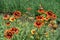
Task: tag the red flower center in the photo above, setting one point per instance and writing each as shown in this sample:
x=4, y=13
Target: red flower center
x=38, y=23
x=8, y=23
x=9, y=34
x=41, y=10
x=49, y=13
x=17, y=14
x=5, y=16
x=14, y=29
x=33, y=31
x=12, y=19
x=54, y=15
x=39, y=17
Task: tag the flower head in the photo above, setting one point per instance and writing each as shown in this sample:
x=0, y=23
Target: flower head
x=12, y=19
x=41, y=11
x=8, y=24
x=47, y=18
x=33, y=31
x=17, y=14
x=54, y=16
x=40, y=18
x=8, y=34
x=14, y=30
x=6, y=16
x=38, y=24
x=49, y=13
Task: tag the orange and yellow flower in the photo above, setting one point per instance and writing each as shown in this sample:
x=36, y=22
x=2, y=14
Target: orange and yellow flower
x=38, y=24
x=8, y=24
x=40, y=18
x=33, y=31
x=8, y=34
x=17, y=14
x=14, y=30
x=12, y=19
x=41, y=11
x=6, y=17
x=47, y=18
x=49, y=13
x=54, y=16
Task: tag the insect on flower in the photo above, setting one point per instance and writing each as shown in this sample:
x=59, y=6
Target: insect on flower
x=17, y=14
x=38, y=24
x=8, y=34
x=6, y=17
